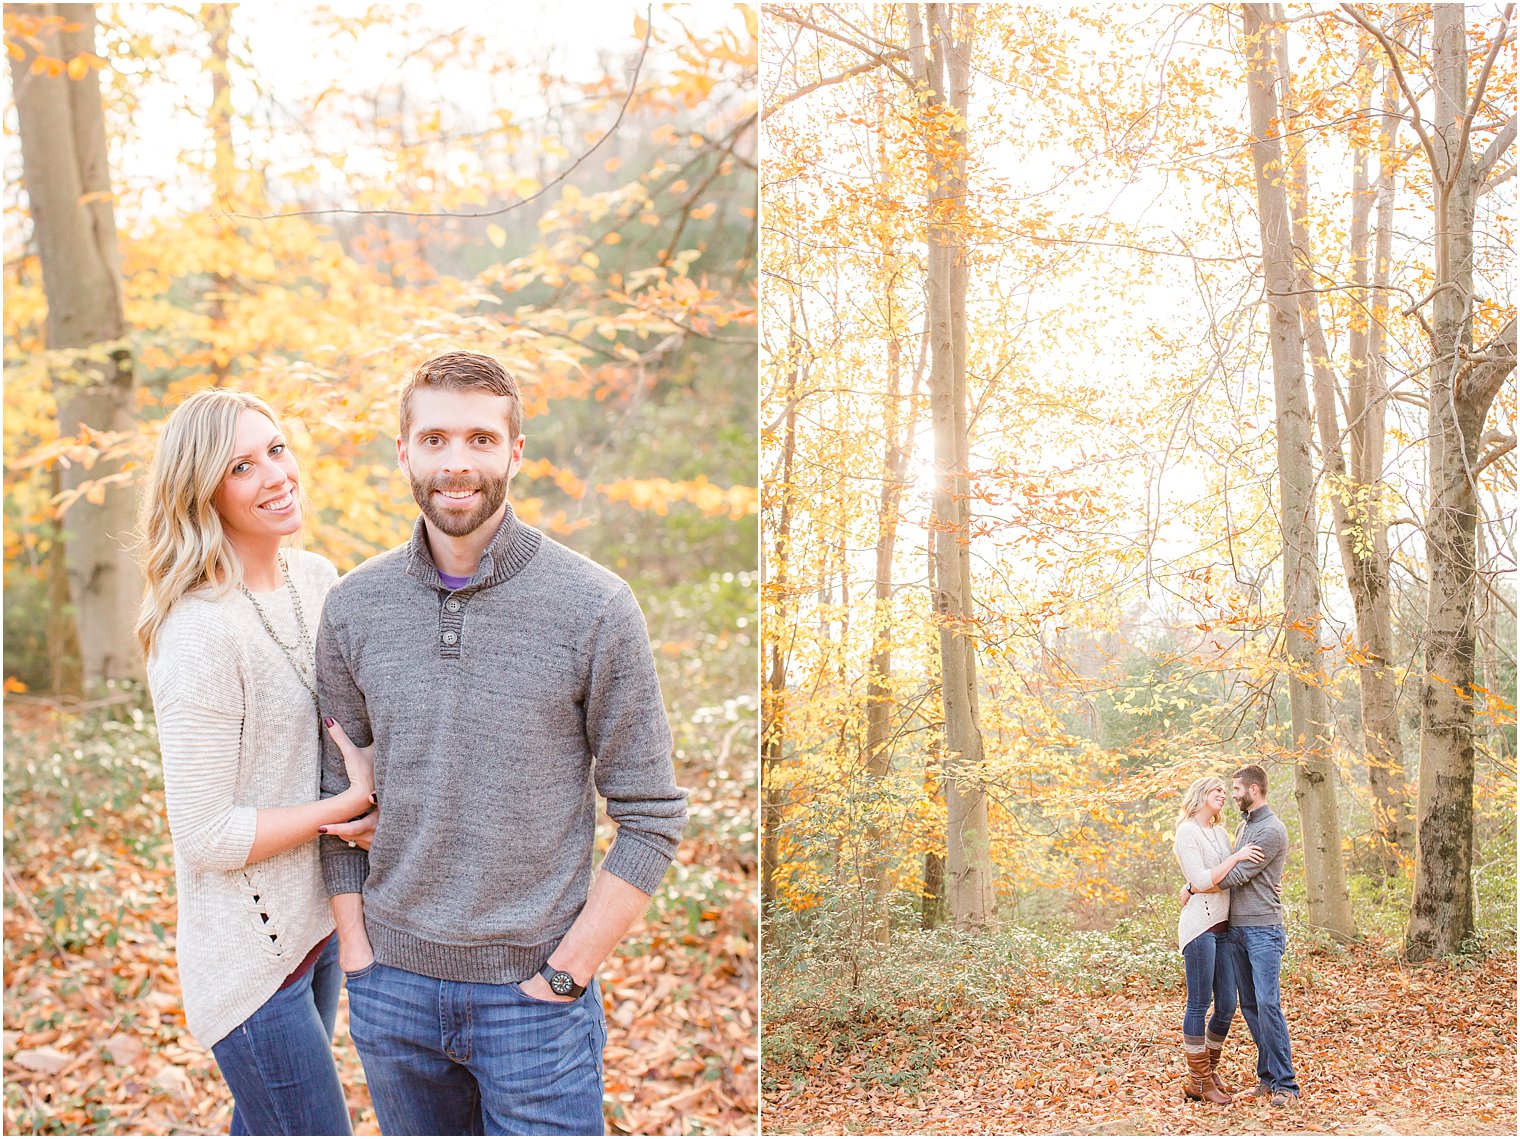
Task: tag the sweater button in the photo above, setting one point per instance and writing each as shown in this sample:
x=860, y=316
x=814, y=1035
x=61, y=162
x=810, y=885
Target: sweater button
x=451, y=638
x=452, y=605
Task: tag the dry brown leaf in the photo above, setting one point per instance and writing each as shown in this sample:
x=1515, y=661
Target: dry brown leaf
x=123, y=1048
x=48, y=1061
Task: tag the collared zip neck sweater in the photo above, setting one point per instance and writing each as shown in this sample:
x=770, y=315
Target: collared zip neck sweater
x=499, y=711
x=1199, y=850
x=238, y=731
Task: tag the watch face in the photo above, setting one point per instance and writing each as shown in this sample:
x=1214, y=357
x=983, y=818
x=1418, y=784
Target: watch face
x=561, y=983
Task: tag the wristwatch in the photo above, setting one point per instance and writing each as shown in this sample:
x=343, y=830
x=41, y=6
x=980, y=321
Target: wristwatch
x=560, y=982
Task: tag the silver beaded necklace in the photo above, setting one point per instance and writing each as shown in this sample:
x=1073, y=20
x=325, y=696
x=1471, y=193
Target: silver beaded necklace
x=305, y=673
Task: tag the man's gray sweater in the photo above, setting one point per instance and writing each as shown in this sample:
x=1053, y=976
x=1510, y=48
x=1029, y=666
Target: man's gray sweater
x=1252, y=885
x=498, y=712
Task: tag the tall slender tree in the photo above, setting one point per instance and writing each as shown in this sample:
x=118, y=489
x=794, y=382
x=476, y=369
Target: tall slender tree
x=940, y=53
x=67, y=177
x=773, y=693
x=1356, y=487
x=217, y=21
x=901, y=422
x=1314, y=772
x=1463, y=382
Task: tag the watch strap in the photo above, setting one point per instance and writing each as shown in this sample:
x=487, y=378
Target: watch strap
x=549, y=973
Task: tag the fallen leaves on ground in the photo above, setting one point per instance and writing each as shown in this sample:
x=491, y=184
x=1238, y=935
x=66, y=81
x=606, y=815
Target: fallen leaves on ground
x=95, y=1039
x=1379, y=1048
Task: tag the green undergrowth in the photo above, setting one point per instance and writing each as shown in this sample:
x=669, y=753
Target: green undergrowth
x=83, y=794
x=830, y=993
x=885, y=999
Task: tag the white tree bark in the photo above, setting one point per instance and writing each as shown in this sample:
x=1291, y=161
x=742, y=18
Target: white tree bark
x=940, y=55
x=1463, y=384
x=68, y=184
x=1314, y=771
x=1361, y=525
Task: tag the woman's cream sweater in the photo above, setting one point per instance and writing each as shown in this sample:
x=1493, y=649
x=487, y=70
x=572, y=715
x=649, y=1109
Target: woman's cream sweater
x=238, y=731
x=1199, y=850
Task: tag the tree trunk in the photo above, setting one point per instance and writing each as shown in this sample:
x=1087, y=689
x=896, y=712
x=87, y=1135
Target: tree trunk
x=879, y=682
x=898, y=436
x=944, y=47
x=773, y=697
x=1361, y=525
x=933, y=911
x=68, y=184
x=1393, y=818
x=1315, y=778
x=62, y=633
x=217, y=19
x=1462, y=388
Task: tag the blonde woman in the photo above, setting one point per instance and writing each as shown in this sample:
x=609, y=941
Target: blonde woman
x=1203, y=851
x=227, y=625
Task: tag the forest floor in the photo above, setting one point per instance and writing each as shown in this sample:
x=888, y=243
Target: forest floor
x=1380, y=1048
x=94, y=1036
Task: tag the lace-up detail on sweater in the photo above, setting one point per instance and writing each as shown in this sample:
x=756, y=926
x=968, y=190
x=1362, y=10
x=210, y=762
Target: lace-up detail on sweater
x=260, y=914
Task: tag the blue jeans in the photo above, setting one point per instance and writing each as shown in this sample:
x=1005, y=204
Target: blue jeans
x=1258, y=973
x=279, y=1062
x=462, y=1058
x=1210, y=968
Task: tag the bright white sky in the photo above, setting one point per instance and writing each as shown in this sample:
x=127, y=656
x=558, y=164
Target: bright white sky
x=1166, y=298
x=294, y=60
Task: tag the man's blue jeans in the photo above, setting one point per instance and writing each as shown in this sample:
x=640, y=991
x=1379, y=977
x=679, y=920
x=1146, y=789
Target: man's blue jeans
x=1209, y=963
x=1258, y=974
x=461, y=1058
x=279, y=1062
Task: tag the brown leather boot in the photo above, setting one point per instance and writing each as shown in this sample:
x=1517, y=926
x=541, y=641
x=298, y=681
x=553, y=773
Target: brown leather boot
x=1215, y=1048
x=1199, y=1085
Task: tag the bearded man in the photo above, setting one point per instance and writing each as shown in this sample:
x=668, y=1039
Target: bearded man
x=503, y=681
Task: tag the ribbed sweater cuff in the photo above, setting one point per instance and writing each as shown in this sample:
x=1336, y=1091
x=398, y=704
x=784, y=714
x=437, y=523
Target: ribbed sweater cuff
x=637, y=863
x=1255, y=919
x=491, y=964
x=344, y=870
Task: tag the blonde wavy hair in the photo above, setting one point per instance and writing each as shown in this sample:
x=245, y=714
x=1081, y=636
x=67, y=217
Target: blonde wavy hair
x=180, y=536
x=1196, y=795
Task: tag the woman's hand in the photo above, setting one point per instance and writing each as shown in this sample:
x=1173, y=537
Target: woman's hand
x=358, y=832
x=359, y=762
x=1248, y=853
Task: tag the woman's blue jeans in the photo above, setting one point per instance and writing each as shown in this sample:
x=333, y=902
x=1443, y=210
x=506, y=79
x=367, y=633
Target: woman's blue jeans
x=279, y=1062
x=1210, y=967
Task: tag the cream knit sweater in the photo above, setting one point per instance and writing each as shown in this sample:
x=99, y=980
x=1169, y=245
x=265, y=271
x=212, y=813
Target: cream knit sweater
x=238, y=732
x=1198, y=852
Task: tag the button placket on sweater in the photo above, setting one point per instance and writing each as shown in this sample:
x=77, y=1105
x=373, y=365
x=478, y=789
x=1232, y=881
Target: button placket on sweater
x=512, y=548
x=451, y=625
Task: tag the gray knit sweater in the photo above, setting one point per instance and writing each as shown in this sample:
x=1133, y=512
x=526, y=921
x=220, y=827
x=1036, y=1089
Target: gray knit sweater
x=498, y=711
x=1253, y=900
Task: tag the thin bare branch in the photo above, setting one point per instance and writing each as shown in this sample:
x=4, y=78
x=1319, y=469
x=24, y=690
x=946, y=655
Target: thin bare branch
x=1398, y=71
x=633, y=86
x=1501, y=142
x=1493, y=456
x=868, y=65
x=794, y=18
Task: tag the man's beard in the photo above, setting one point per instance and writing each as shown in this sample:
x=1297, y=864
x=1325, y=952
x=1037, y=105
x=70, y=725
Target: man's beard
x=493, y=492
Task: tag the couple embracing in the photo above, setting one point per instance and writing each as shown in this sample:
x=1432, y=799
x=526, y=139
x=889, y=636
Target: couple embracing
x=1231, y=935
x=479, y=685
